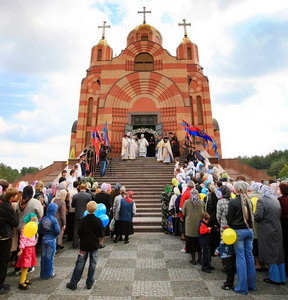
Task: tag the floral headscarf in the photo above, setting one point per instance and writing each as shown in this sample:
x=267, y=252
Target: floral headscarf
x=266, y=191
x=256, y=186
x=195, y=198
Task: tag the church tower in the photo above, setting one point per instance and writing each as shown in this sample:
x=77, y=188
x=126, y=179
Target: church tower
x=144, y=89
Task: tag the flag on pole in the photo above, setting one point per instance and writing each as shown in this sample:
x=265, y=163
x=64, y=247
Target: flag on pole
x=105, y=135
x=96, y=140
x=195, y=131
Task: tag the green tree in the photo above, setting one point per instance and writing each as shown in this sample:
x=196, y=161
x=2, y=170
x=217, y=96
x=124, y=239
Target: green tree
x=30, y=170
x=283, y=174
x=8, y=173
x=276, y=167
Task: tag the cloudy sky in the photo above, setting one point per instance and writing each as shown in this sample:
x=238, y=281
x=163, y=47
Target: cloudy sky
x=45, y=49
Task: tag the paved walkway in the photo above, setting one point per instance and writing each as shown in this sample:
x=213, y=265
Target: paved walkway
x=152, y=267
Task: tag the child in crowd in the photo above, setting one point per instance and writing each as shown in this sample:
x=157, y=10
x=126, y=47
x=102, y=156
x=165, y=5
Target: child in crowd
x=204, y=241
x=91, y=234
x=50, y=229
x=228, y=260
x=27, y=253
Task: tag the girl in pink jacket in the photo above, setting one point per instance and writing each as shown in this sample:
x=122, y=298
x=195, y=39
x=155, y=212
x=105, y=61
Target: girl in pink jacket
x=27, y=254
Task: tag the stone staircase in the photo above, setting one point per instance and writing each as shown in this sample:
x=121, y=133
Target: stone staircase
x=146, y=178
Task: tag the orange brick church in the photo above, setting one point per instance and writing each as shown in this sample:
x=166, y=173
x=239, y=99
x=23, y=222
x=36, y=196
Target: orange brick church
x=145, y=87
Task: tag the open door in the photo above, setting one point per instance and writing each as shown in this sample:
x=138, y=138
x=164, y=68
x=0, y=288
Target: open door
x=128, y=128
x=158, y=128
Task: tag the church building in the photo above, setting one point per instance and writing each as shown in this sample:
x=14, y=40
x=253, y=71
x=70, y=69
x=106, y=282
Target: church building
x=144, y=89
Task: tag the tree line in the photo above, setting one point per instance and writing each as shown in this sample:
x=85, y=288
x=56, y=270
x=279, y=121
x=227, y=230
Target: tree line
x=276, y=163
x=11, y=175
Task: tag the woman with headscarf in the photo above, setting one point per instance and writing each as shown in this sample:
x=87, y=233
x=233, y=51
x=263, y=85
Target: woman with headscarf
x=255, y=196
x=114, y=193
x=173, y=211
x=240, y=218
x=104, y=197
x=61, y=215
x=27, y=204
x=126, y=210
x=211, y=209
x=222, y=207
x=271, y=251
x=274, y=186
x=192, y=210
x=284, y=218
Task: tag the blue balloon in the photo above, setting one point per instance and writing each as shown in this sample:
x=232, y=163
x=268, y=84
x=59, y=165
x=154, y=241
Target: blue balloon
x=204, y=191
x=101, y=210
x=105, y=220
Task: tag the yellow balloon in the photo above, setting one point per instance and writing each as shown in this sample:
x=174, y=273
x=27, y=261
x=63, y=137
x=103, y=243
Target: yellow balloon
x=254, y=203
x=229, y=236
x=202, y=196
x=30, y=229
x=233, y=196
x=175, y=182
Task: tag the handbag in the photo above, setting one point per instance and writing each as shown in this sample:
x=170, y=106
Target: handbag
x=170, y=224
x=112, y=225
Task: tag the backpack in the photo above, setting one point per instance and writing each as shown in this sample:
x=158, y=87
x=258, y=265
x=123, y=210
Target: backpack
x=177, y=204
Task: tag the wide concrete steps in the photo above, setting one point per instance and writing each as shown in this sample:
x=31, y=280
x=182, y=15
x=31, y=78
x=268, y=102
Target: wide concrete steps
x=146, y=178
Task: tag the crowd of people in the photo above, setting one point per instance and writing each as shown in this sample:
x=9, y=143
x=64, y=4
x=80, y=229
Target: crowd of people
x=66, y=209
x=164, y=149
x=200, y=204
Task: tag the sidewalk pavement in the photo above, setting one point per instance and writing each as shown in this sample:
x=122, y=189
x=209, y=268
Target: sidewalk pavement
x=152, y=266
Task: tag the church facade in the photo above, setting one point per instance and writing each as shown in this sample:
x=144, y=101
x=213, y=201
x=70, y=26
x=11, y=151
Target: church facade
x=145, y=88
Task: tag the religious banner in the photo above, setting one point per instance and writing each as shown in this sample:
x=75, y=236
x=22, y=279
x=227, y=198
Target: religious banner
x=195, y=131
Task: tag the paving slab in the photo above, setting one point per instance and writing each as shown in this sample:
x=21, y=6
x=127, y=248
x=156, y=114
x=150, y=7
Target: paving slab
x=151, y=267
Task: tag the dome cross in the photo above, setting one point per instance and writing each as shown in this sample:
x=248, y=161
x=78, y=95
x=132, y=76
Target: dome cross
x=144, y=12
x=185, y=25
x=104, y=27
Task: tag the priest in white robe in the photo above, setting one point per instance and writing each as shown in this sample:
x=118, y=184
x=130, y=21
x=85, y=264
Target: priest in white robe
x=124, y=151
x=143, y=144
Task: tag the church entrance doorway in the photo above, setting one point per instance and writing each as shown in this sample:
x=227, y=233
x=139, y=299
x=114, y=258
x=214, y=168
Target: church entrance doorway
x=147, y=124
x=150, y=135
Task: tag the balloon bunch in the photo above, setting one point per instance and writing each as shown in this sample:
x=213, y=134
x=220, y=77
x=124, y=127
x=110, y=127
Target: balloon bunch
x=100, y=213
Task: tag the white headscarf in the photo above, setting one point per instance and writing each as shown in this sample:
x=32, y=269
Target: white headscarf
x=104, y=187
x=256, y=186
x=266, y=191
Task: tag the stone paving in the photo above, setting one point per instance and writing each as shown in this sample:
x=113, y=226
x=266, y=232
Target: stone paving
x=151, y=266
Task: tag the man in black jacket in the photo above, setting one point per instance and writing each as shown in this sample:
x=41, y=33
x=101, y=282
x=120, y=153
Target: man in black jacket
x=79, y=201
x=91, y=234
x=8, y=220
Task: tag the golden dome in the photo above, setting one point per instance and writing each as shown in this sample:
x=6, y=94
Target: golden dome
x=185, y=41
x=103, y=42
x=146, y=26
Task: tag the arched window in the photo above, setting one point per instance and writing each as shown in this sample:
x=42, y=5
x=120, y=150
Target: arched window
x=99, y=54
x=199, y=110
x=89, y=112
x=192, y=110
x=189, y=53
x=144, y=62
x=144, y=37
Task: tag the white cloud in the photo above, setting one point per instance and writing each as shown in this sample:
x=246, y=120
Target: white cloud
x=51, y=42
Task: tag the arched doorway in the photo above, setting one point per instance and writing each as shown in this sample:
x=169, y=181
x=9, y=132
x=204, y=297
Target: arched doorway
x=150, y=135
